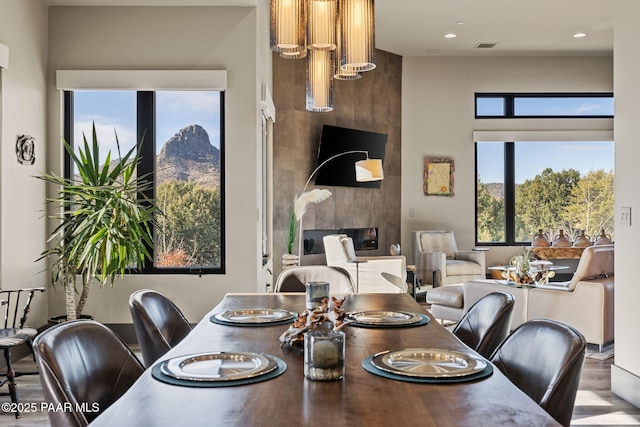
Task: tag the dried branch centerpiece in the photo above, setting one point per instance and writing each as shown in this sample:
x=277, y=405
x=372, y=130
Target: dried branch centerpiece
x=318, y=328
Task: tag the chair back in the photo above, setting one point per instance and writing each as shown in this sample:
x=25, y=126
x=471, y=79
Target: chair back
x=435, y=241
x=84, y=368
x=16, y=304
x=544, y=359
x=158, y=323
x=334, y=250
x=487, y=323
x=293, y=279
x=595, y=262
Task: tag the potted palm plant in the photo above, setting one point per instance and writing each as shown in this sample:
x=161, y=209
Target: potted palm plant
x=104, y=224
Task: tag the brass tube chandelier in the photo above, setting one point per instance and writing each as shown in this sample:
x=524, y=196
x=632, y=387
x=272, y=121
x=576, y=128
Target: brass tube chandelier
x=336, y=37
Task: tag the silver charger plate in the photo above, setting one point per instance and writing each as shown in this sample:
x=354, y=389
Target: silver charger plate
x=255, y=315
x=429, y=363
x=218, y=366
x=382, y=317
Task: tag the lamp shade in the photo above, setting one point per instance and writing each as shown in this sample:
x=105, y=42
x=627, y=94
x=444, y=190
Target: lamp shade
x=358, y=39
x=319, y=80
x=288, y=26
x=321, y=24
x=369, y=170
x=340, y=73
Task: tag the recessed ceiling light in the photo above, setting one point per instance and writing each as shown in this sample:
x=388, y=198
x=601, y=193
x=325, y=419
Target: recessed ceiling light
x=450, y=36
x=459, y=22
x=579, y=35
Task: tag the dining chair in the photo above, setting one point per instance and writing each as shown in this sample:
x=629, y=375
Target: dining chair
x=84, y=368
x=487, y=323
x=16, y=304
x=544, y=359
x=158, y=322
x=293, y=279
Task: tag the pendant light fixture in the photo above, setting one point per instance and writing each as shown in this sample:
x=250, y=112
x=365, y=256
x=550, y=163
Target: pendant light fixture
x=321, y=26
x=288, y=26
x=320, y=66
x=357, y=31
x=335, y=36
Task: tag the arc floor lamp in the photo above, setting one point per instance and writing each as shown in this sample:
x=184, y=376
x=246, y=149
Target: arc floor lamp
x=366, y=170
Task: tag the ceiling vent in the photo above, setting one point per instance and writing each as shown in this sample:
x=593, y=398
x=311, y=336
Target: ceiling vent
x=486, y=45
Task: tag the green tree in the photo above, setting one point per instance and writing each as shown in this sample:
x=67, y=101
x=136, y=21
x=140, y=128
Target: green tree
x=189, y=230
x=541, y=202
x=490, y=211
x=591, y=208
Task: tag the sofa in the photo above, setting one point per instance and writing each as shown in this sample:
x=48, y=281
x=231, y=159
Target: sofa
x=584, y=302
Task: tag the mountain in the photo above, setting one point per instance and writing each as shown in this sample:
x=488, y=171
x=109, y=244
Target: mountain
x=496, y=189
x=189, y=155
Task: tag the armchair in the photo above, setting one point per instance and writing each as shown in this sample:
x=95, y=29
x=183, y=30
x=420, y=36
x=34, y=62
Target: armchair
x=366, y=272
x=439, y=262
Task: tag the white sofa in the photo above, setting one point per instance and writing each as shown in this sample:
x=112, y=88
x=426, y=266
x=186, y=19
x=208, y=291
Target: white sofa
x=585, y=302
x=366, y=272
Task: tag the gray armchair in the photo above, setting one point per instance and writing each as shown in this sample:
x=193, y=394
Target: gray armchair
x=439, y=262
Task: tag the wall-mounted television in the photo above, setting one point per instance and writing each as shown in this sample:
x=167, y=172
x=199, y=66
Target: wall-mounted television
x=341, y=171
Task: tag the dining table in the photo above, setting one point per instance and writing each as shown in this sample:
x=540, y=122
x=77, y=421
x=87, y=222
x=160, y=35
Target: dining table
x=360, y=398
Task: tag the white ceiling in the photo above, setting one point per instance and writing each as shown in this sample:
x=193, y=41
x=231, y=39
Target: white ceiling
x=417, y=27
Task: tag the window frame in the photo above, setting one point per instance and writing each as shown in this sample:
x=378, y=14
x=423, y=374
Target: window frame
x=145, y=127
x=509, y=99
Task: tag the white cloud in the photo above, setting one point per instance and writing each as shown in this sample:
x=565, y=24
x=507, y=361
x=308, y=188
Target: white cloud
x=188, y=101
x=588, y=108
x=106, y=136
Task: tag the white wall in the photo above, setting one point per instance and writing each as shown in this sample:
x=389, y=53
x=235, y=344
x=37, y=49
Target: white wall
x=23, y=28
x=625, y=374
x=438, y=121
x=174, y=38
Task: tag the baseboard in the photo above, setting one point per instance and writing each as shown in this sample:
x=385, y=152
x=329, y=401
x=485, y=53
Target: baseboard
x=625, y=385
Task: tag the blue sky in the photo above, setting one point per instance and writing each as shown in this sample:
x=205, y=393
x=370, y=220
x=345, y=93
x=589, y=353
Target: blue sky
x=116, y=110
x=533, y=157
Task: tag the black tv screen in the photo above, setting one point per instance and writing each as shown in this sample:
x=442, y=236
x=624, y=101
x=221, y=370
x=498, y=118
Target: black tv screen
x=341, y=171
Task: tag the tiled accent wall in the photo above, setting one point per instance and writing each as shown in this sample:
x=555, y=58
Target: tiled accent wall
x=371, y=103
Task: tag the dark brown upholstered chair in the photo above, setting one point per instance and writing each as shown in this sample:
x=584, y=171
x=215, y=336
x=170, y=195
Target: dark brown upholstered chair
x=85, y=365
x=159, y=324
x=15, y=303
x=293, y=279
x=487, y=323
x=544, y=359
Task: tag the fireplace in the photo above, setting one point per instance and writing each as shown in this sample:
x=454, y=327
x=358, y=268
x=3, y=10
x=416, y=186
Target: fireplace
x=363, y=239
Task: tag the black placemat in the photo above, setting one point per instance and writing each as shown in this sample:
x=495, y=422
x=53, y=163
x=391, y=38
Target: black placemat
x=214, y=319
x=158, y=375
x=425, y=319
x=370, y=367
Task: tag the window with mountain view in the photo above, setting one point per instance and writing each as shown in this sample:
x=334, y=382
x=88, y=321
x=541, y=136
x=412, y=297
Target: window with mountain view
x=182, y=131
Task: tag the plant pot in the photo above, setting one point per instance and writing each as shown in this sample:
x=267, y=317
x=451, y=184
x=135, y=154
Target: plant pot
x=63, y=318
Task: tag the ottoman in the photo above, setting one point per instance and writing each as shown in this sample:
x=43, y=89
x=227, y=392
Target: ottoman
x=447, y=302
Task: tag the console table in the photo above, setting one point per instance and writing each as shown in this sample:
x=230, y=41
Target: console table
x=558, y=253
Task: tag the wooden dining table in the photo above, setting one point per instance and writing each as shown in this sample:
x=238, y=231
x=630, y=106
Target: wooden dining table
x=359, y=399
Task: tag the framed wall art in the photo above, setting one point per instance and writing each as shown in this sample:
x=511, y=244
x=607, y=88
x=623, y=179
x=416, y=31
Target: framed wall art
x=438, y=177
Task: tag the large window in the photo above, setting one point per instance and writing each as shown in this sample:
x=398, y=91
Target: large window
x=524, y=186
x=182, y=134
